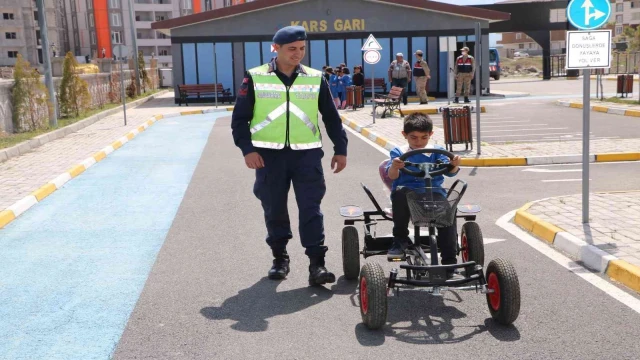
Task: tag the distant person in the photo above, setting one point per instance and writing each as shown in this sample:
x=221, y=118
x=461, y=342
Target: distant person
x=464, y=71
x=400, y=74
x=422, y=73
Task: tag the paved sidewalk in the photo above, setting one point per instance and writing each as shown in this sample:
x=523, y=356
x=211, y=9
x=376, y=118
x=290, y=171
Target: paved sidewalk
x=609, y=243
x=387, y=133
x=22, y=175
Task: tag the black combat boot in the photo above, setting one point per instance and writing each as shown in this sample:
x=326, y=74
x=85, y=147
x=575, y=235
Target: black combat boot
x=318, y=274
x=466, y=99
x=280, y=267
x=456, y=100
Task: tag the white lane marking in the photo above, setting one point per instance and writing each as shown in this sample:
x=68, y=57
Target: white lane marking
x=567, y=263
x=502, y=122
x=552, y=171
x=376, y=146
x=521, y=135
x=501, y=126
x=512, y=130
x=543, y=165
x=563, y=180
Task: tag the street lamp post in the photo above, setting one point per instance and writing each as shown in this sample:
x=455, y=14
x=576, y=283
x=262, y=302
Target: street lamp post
x=48, y=78
x=135, y=47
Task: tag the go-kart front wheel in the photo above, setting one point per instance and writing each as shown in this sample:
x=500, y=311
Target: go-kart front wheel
x=373, y=296
x=472, y=243
x=504, y=301
x=350, y=253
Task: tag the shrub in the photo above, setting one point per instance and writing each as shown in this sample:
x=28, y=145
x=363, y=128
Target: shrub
x=31, y=103
x=74, y=92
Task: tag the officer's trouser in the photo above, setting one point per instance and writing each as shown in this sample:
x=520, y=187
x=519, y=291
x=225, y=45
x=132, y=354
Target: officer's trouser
x=463, y=79
x=303, y=168
x=421, y=88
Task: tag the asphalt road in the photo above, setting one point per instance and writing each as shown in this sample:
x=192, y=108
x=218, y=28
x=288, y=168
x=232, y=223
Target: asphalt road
x=207, y=295
x=540, y=120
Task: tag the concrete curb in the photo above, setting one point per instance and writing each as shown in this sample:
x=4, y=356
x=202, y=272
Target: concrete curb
x=29, y=145
x=599, y=108
x=505, y=161
x=591, y=256
x=18, y=208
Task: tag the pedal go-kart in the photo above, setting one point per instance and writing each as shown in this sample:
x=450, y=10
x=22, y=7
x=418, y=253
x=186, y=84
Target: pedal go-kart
x=499, y=282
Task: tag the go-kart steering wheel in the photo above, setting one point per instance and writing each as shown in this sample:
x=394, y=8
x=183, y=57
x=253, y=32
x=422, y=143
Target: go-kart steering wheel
x=441, y=168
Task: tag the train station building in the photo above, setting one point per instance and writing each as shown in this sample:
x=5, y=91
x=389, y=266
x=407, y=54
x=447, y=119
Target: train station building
x=222, y=44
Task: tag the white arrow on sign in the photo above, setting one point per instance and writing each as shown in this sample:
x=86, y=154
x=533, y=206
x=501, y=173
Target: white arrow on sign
x=371, y=44
x=597, y=14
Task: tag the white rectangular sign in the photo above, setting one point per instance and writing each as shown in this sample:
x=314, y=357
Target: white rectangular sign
x=451, y=43
x=590, y=49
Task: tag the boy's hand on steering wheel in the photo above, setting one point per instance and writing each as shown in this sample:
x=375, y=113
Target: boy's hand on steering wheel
x=456, y=161
x=397, y=164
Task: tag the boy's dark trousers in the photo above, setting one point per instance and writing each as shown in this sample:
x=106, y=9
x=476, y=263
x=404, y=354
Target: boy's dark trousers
x=447, y=236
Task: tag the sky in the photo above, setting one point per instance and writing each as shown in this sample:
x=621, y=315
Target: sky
x=492, y=37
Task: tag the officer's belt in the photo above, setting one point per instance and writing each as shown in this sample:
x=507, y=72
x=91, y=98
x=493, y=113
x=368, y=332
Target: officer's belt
x=279, y=111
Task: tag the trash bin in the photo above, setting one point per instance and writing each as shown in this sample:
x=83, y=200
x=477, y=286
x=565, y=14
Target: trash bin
x=354, y=97
x=625, y=84
x=457, y=127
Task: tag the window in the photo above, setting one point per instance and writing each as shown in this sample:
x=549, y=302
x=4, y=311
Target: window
x=186, y=4
x=12, y=54
x=35, y=16
x=207, y=5
x=114, y=4
x=635, y=16
x=115, y=19
x=619, y=7
x=317, y=54
x=557, y=15
x=252, y=54
x=10, y=35
x=116, y=37
x=89, y=4
x=618, y=30
x=8, y=16
x=163, y=52
x=91, y=20
x=618, y=18
x=227, y=3
x=518, y=36
x=93, y=38
x=520, y=46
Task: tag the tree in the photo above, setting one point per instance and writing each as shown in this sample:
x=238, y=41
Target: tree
x=131, y=89
x=74, y=91
x=30, y=98
x=633, y=37
x=143, y=72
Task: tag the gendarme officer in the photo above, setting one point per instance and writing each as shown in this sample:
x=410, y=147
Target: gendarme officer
x=464, y=70
x=275, y=124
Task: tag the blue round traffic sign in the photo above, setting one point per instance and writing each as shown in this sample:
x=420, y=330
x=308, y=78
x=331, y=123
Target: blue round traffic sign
x=588, y=14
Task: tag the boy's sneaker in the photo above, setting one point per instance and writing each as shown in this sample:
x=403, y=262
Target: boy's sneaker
x=396, y=252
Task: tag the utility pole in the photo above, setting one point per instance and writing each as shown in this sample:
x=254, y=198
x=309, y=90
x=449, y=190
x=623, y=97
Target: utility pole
x=135, y=46
x=48, y=78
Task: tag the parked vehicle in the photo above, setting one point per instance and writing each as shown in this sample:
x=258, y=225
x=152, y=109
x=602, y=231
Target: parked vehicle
x=494, y=64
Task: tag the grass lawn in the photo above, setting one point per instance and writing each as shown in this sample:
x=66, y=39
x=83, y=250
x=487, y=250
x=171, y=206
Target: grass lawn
x=9, y=140
x=617, y=100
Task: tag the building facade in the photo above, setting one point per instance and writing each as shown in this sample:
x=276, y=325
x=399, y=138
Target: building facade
x=20, y=31
x=220, y=45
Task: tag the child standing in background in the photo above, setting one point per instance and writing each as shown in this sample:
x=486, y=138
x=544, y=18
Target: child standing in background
x=345, y=81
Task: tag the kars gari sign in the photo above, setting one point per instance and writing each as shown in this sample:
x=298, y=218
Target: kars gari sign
x=588, y=49
x=371, y=56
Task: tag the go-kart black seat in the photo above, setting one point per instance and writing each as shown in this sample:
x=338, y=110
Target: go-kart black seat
x=386, y=181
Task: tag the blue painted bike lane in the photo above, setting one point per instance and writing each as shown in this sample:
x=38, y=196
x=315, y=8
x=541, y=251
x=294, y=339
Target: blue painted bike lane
x=72, y=267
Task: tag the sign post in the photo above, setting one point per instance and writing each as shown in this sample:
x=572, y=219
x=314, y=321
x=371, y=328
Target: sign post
x=478, y=66
x=586, y=50
x=448, y=43
x=372, y=56
x=122, y=51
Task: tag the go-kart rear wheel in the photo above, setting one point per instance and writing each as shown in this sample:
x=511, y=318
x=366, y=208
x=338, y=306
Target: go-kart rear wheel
x=350, y=253
x=472, y=243
x=373, y=296
x=504, y=302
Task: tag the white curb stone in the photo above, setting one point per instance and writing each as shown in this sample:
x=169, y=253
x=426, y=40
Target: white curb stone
x=23, y=205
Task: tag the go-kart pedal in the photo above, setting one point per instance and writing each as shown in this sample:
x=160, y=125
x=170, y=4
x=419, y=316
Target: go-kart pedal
x=396, y=252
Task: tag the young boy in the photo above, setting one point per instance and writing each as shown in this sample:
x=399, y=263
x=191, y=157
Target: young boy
x=418, y=129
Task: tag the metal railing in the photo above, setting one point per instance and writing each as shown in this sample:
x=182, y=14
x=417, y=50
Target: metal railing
x=621, y=63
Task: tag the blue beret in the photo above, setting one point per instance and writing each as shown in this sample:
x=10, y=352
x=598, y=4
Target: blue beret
x=289, y=34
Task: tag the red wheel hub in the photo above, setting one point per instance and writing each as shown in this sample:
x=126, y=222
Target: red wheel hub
x=494, y=298
x=465, y=248
x=364, y=298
